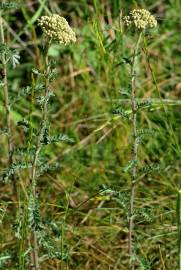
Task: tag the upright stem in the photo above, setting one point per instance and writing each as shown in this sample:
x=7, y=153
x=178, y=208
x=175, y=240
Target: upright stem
x=34, y=255
x=135, y=152
x=179, y=227
x=6, y=102
x=5, y=89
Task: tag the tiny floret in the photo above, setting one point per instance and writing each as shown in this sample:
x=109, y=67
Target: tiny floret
x=140, y=19
x=56, y=28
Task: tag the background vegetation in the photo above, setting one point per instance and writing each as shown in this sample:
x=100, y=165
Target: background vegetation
x=82, y=202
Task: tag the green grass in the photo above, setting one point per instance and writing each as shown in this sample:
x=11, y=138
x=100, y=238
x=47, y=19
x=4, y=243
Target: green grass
x=90, y=227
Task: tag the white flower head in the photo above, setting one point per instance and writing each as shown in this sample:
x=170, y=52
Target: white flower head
x=57, y=28
x=140, y=19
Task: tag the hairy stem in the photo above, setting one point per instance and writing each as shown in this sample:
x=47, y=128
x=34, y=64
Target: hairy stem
x=135, y=152
x=34, y=255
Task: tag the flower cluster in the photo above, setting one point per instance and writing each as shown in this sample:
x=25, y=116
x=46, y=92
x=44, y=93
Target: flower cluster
x=141, y=19
x=57, y=28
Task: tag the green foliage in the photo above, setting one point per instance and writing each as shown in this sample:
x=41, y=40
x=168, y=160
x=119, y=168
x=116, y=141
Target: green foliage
x=14, y=58
x=24, y=124
x=2, y=213
x=120, y=197
x=78, y=224
x=49, y=246
x=46, y=139
x=144, y=263
x=122, y=200
x=34, y=219
x=147, y=169
x=122, y=113
x=52, y=72
x=144, y=104
x=18, y=225
x=10, y=171
x=21, y=94
x=4, y=48
x=5, y=257
x=131, y=164
x=41, y=100
x=144, y=215
x=45, y=167
x=146, y=131
x=37, y=72
x=11, y=56
x=61, y=138
x=125, y=92
x=10, y=5
x=179, y=226
x=3, y=131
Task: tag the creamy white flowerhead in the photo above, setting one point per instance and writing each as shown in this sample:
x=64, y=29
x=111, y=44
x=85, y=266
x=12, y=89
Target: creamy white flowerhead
x=140, y=19
x=57, y=28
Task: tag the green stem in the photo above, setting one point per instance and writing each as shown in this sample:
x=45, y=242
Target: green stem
x=179, y=226
x=135, y=152
x=34, y=255
x=6, y=101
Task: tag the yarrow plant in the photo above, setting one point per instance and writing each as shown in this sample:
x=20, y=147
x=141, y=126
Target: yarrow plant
x=139, y=20
x=55, y=29
x=30, y=156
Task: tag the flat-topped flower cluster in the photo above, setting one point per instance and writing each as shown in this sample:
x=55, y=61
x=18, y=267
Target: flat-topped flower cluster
x=57, y=29
x=141, y=19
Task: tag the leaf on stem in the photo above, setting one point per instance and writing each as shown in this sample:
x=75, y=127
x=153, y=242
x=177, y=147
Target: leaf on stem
x=121, y=112
x=147, y=169
x=13, y=168
x=10, y=5
x=130, y=165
